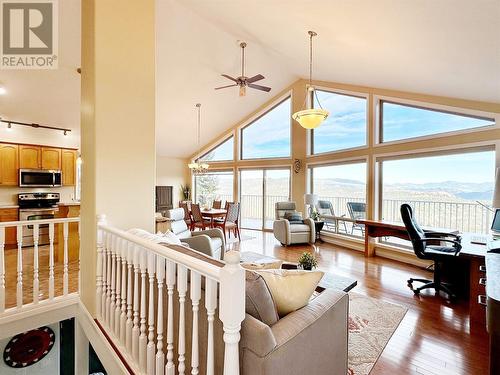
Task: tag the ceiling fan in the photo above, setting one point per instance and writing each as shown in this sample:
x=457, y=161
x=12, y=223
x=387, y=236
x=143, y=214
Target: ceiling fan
x=242, y=81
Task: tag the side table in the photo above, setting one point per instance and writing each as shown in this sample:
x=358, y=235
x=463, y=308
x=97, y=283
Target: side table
x=318, y=226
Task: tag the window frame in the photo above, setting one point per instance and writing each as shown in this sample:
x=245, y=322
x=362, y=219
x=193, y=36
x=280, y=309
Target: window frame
x=259, y=115
x=355, y=94
x=212, y=171
x=378, y=101
x=219, y=143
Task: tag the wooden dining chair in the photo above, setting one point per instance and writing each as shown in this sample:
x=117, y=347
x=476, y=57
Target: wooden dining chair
x=217, y=204
x=198, y=220
x=187, y=214
x=231, y=220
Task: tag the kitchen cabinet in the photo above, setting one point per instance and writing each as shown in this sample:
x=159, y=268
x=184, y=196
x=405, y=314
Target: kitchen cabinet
x=68, y=167
x=30, y=157
x=9, y=214
x=51, y=158
x=9, y=164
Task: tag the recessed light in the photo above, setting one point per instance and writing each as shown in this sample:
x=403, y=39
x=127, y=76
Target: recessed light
x=3, y=91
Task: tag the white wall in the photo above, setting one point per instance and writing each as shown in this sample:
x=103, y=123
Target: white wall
x=172, y=172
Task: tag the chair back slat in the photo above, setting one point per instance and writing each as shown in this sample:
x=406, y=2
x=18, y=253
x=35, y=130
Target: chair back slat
x=196, y=212
x=217, y=204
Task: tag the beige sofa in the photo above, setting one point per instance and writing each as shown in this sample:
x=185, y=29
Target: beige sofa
x=292, y=233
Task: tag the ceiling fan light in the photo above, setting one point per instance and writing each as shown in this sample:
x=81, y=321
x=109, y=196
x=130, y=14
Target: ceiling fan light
x=243, y=90
x=310, y=118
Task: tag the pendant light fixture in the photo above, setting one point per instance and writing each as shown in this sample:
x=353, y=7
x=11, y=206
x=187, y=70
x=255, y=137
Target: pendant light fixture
x=198, y=167
x=311, y=118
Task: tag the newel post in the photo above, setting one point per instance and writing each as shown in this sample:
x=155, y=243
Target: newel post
x=232, y=309
x=101, y=220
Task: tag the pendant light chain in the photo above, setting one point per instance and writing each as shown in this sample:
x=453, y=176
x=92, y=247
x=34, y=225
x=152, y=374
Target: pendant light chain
x=199, y=123
x=311, y=34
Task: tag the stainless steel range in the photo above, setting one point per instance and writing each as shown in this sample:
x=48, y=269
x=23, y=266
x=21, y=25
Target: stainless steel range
x=37, y=206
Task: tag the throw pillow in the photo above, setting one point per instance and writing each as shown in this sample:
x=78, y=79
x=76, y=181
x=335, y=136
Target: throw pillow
x=259, y=301
x=262, y=266
x=293, y=217
x=291, y=289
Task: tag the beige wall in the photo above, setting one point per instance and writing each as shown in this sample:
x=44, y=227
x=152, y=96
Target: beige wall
x=118, y=122
x=172, y=172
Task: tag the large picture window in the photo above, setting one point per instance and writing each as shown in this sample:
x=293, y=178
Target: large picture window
x=445, y=191
x=401, y=121
x=213, y=186
x=345, y=127
x=341, y=190
x=223, y=152
x=268, y=136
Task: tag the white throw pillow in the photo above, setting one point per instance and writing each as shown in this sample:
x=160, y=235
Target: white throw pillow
x=170, y=238
x=262, y=266
x=291, y=289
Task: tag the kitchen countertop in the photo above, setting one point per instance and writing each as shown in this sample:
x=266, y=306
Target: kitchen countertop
x=68, y=204
x=8, y=205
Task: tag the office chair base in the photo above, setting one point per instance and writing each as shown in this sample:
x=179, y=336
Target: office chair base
x=428, y=284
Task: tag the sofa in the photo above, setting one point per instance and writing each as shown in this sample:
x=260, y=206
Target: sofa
x=289, y=233
x=210, y=241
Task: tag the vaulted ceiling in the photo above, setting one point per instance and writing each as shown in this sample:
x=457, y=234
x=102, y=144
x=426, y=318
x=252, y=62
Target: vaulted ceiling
x=439, y=47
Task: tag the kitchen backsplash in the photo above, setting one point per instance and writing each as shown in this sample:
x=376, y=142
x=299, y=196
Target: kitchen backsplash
x=8, y=194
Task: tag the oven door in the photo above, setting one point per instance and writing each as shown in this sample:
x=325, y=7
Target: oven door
x=43, y=229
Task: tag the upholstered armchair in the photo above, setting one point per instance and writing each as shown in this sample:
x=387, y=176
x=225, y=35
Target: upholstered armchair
x=210, y=242
x=289, y=232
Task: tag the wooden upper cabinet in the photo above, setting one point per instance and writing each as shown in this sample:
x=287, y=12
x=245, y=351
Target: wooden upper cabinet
x=51, y=158
x=30, y=157
x=68, y=167
x=9, y=164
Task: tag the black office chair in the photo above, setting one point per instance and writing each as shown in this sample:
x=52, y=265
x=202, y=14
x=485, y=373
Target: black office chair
x=439, y=254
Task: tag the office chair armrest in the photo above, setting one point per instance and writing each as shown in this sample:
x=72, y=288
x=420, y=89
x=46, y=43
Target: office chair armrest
x=457, y=244
x=442, y=234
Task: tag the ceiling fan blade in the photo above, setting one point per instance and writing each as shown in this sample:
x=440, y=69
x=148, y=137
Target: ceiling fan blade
x=256, y=78
x=259, y=87
x=223, y=87
x=229, y=77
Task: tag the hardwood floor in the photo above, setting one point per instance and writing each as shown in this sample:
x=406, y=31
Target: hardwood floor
x=434, y=337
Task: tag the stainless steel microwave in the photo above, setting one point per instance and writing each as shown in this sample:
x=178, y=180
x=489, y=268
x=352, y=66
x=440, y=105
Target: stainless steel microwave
x=39, y=178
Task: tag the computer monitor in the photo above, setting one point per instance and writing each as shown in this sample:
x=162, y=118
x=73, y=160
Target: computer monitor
x=495, y=225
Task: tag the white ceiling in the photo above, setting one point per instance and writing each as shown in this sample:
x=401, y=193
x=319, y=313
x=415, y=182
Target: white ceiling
x=48, y=97
x=439, y=47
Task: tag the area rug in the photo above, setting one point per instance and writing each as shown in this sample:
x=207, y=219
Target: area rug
x=372, y=322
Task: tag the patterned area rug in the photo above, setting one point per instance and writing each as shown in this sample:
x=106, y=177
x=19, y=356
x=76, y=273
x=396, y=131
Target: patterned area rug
x=371, y=324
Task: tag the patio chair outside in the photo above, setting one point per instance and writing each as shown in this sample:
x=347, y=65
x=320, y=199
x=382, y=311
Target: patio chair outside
x=357, y=211
x=327, y=214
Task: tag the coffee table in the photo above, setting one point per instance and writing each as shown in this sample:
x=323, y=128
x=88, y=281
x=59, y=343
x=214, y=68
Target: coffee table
x=329, y=280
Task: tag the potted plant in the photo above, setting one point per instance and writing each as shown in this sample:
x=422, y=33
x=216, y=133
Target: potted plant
x=307, y=261
x=186, y=192
x=315, y=215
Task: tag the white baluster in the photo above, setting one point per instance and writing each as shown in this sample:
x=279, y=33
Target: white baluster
x=123, y=310
x=232, y=309
x=36, y=281
x=160, y=276
x=109, y=241
x=130, y=291
x=195, y=299
x=182, y=288
x=51, y=260
x=112, y=304
x=118, y=287
x=65, y=266
x=211, y=305
x=170, y=367
x=19, y=291
x=142, y=336
x=2, y=270
x=150, y=366
x=135, y=328
x=99, y=267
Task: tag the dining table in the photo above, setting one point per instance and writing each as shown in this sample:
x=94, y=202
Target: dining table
x=213, y=213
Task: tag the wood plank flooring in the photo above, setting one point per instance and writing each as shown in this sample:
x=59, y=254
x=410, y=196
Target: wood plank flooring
x=434, y=337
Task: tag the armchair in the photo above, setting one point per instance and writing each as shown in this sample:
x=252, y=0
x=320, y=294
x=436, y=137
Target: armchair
x=210, y=242
x=288, y=233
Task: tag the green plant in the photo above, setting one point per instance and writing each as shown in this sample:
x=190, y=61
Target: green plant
x=307, y=261
x=315, y=215
x=186, y=192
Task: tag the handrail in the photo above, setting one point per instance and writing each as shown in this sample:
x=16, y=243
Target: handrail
x=198, y=265
x=41, y=221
